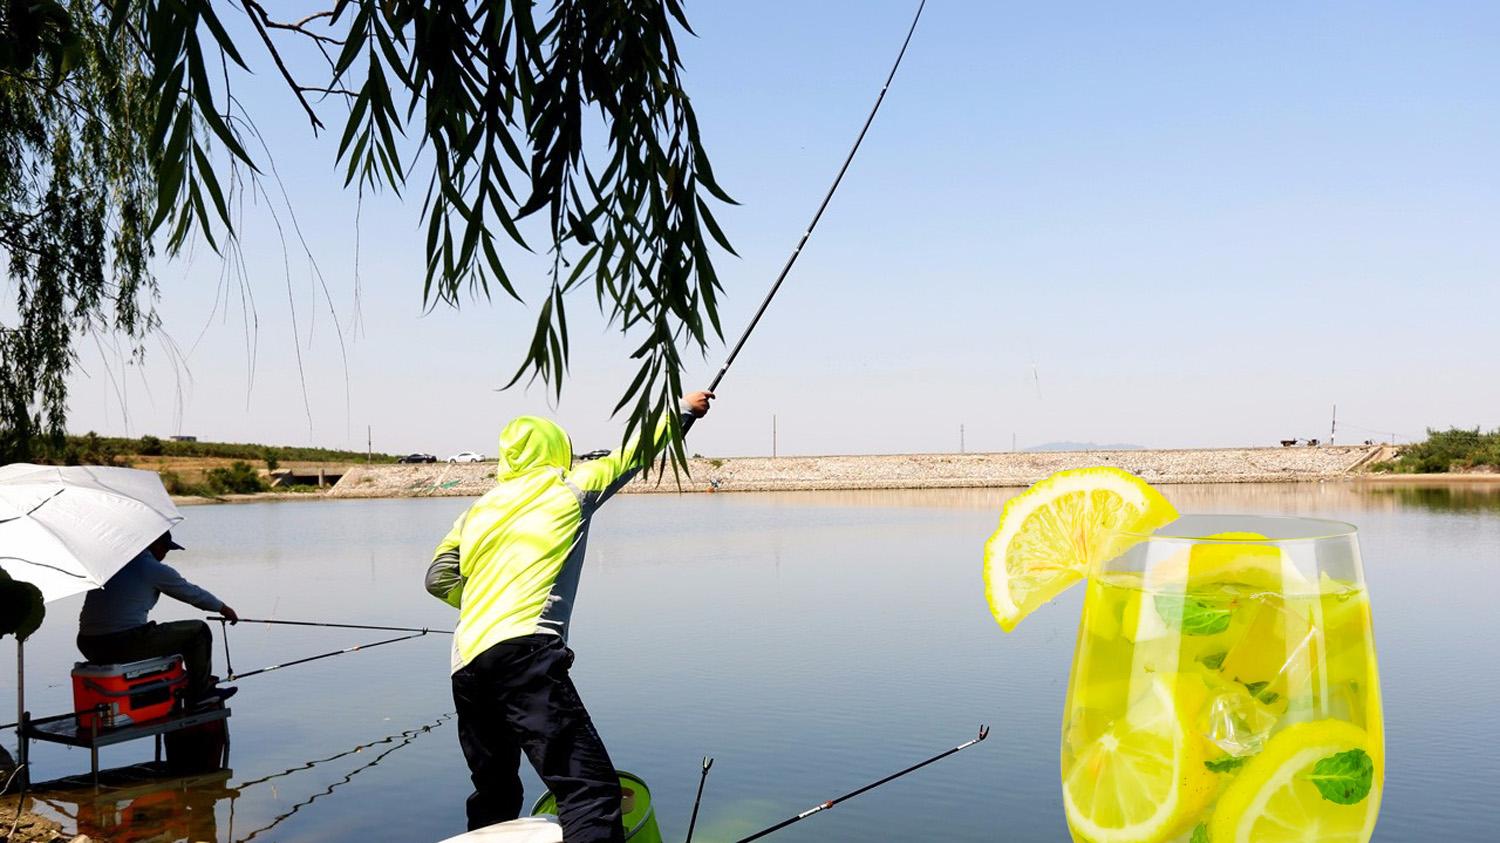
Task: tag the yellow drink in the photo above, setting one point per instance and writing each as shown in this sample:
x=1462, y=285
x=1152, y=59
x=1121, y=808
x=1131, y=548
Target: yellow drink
x=1225, y=690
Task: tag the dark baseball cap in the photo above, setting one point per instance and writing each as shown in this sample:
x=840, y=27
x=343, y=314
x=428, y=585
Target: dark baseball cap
x=171, y=543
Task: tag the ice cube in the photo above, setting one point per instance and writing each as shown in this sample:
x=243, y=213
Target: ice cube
x=1238, y=723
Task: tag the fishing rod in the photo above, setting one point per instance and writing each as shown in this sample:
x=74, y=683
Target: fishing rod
x=335, y=625
x=356, y=648
x=984, y=732
x=708, y=763
x=797, y=252
x=231, y=676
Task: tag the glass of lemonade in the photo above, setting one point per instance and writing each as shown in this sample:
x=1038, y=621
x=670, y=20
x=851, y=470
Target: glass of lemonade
x=1224, y=689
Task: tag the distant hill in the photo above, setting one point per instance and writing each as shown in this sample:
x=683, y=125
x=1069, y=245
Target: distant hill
x=1083, y=446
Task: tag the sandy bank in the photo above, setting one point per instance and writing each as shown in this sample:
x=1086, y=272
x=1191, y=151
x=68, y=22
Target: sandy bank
x=903, y=471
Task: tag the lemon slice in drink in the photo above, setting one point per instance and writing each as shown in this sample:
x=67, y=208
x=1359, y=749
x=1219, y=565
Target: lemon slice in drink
x=1273, y=799
x=1142, y=780
x=1052, y=534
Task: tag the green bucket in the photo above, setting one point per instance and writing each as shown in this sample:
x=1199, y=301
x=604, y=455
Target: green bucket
x=637, y=815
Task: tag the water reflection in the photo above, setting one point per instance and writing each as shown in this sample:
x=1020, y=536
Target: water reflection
x=145, y=803
x=810, y=641
x=1362, y=494
x=1469, y=497
x=397, y=741
x=140, y=803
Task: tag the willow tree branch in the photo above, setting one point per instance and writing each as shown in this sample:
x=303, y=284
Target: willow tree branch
x=256, y=14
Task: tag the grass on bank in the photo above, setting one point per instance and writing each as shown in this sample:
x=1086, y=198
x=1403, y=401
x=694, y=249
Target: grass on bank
x=1454, y=450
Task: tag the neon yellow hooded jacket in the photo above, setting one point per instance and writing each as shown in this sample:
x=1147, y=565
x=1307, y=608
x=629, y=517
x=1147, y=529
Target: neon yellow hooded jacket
x=511, y=563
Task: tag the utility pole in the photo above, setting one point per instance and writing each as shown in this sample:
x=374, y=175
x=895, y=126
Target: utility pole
x=1334, y=426
x=960, y=439
x=773, y=435
x=1012, y=443
x=369, y=445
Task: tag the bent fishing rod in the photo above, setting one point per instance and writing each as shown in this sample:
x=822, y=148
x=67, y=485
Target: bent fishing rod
x=822, y=206
x=984, y=732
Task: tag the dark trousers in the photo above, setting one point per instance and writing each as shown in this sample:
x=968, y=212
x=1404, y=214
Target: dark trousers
x=517, y=697
x=190, y=639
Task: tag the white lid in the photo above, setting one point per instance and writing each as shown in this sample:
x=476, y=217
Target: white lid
x=543, y=829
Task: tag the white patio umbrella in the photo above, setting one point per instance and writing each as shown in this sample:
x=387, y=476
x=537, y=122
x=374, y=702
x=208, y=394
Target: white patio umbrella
x=67, y=529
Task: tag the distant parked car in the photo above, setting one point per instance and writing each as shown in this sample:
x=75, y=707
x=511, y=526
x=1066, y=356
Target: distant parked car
x=418, y=458
x=466, y=456
x=593, y=455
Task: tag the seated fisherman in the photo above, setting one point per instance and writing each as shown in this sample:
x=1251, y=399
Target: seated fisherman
x=112, y=628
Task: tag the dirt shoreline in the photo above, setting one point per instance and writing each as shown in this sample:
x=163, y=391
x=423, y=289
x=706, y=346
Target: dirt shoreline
x=1342, y=463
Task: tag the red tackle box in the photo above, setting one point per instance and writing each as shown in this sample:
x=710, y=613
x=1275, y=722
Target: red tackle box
x=130, y=693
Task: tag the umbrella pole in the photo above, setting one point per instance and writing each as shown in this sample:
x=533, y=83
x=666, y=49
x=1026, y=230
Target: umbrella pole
x=21, y=736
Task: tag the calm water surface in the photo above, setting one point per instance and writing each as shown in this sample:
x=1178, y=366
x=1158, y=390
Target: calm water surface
x=810, y=642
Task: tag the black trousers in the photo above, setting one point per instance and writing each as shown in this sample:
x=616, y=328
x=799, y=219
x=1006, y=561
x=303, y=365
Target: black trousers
x=190, y=639
x=517, y=697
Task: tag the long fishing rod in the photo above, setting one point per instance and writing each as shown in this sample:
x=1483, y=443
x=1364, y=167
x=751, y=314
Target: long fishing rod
x=231, y=676
x=335, y=625
x=984, y=732
x=797, y=252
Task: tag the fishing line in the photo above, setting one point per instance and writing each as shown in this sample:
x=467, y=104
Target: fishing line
x=797, y=252
x=984, y=732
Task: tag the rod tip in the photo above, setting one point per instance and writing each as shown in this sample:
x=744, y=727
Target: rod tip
x=984, y=731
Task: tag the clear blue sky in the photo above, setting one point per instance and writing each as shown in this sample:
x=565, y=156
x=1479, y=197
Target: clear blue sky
x=1173, y=224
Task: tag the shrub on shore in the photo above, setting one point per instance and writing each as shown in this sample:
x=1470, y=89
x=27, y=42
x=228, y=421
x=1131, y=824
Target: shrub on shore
x=93, y=449
x=1455, y=449
x=240, y=478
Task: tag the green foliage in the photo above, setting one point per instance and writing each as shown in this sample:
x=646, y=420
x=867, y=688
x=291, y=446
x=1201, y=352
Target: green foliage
x=574, y=112
x=1193, y=615
x=240, y=478
x=1225, y=764
x=506, y=98
x=1455, y=449
x=1345, y=778
x=88, y=449
x=114, y=450
x=21, y=608
x=172, y=482
x=75, y=192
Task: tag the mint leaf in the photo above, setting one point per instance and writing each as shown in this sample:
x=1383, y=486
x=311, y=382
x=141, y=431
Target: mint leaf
x=1268, y=697
x=1192, y=615
x=1228, y=763
x=1345, y=778
x=1200, y=834
x=1255, y=687
x=1213, y=661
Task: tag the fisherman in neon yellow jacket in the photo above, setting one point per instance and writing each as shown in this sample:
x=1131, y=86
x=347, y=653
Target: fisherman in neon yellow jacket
x=511, y=565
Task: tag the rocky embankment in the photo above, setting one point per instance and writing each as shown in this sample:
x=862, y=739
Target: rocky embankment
x=906, y=471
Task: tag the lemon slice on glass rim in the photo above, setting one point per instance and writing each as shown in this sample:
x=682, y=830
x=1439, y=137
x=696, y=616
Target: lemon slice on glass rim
x=1054, y=533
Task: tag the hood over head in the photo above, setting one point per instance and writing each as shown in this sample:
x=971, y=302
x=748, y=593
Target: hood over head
x=531, y=442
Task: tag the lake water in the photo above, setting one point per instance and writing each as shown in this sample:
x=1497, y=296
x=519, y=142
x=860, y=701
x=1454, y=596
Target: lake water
x=809, y=642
